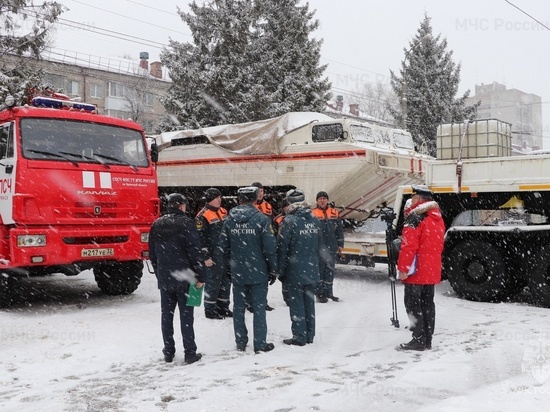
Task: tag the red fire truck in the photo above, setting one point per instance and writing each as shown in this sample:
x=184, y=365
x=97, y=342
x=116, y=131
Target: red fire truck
x=78, y=191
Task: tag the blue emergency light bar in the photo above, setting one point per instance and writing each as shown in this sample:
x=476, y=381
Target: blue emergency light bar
x=62, y=104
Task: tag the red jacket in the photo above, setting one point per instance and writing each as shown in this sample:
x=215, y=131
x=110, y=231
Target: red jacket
x=422, y=236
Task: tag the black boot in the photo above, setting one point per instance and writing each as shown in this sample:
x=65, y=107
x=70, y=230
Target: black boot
x=213, y=314
x=268, y=347
x=428, y=343
x=414, y=344
x=292, y=342
x=321, y=298
x=225, y=312
x=193, y=358
x=168, y=355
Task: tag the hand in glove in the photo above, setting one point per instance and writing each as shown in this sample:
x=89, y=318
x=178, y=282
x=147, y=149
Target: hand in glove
x=272, y=278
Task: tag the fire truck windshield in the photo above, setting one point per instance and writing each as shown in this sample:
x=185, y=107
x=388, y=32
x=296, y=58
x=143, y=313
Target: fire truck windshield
x=76, y=141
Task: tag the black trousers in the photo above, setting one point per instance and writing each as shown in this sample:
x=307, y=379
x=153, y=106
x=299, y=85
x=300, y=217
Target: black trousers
x=420, y=307
x=169, y=299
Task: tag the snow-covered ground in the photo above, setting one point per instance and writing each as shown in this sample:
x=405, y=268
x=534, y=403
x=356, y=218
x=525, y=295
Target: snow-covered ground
x=73, y=349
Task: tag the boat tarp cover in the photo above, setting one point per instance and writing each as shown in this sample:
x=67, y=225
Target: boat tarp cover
x=261, y=137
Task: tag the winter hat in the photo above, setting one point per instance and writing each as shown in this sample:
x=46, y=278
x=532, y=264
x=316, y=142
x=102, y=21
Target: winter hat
x=176, y=200
x=321, y=194
x=211, y=194
x=422, y=190
x=247, y=194
x=294, y=195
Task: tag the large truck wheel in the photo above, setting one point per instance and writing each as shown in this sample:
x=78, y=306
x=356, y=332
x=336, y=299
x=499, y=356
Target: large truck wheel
x=10, y=288
x=476, y=271
x=539, y=276
x=119, y=278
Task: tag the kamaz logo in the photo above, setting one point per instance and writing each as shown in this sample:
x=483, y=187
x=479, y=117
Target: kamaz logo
x=96, y=180
x=96, y=192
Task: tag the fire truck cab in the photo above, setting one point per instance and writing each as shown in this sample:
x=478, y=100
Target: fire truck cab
x=78, y=191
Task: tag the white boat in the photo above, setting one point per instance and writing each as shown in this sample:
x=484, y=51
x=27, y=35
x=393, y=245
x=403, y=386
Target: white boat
x=360, y=165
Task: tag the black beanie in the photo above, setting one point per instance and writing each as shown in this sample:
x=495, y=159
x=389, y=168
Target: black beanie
x=211, y=194
x=294, y=196
x=321, y=194
x=248, y=194
x=176, y=199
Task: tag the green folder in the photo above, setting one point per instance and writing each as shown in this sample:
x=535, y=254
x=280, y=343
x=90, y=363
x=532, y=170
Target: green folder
x=194, y=296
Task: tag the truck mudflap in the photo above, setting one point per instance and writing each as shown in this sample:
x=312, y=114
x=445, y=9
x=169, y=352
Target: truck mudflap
x=45, y=246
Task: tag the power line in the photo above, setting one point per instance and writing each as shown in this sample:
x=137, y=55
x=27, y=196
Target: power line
x=131, y=18
x=109, y=33
x=527, y=14
x=151, y=7
x=353, y=67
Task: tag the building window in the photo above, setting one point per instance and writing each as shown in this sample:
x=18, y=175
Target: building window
x=148, y=126
x=120, y=114
x=56, y=81
x=96, y=91
x=119, y=90
x=72, y=87
x=148, y=99
x=116, y=89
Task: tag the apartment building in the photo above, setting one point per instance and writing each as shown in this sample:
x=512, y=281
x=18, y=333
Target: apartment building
x=127, y=90
x=522, y=110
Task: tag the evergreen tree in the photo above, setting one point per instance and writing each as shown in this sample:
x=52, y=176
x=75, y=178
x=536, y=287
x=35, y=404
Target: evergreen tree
x=428, y=85
x=249, y=60
x=15, y=16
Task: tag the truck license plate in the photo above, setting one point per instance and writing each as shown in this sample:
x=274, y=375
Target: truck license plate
x=109, y=251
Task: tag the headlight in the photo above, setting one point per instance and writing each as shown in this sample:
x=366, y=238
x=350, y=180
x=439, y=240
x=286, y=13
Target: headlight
x=31, y=240
x=145, y=237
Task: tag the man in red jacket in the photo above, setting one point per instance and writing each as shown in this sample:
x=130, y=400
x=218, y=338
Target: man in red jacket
x=419, y=265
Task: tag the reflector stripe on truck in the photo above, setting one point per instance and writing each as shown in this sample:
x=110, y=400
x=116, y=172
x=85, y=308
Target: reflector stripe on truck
x=89, y=180
x=248, y=159
x=448, y=189
x=475, y=189
x=534, y=187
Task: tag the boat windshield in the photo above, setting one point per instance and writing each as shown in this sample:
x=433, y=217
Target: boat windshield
x=361, y=133
x=403, y=140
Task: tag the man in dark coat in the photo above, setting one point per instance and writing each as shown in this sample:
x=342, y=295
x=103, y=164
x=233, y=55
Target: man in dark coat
x=333, y=243
x=249, y=246
x=265, y=207
x=218, y=286
x=298, y=251
x=175, y=253
x=421, y=248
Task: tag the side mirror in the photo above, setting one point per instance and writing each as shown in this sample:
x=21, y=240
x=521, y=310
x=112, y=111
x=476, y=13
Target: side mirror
x=154, y=152
x=8, y=168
